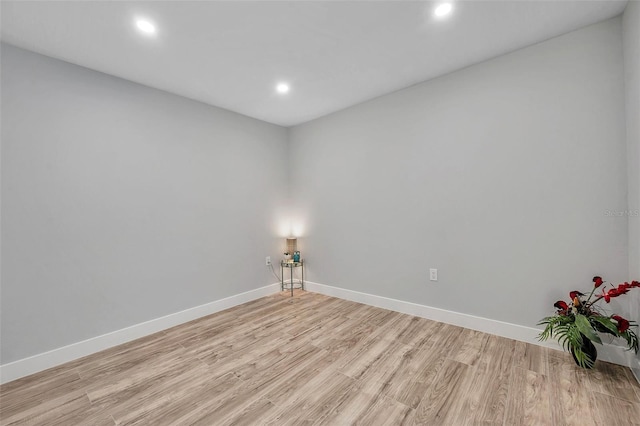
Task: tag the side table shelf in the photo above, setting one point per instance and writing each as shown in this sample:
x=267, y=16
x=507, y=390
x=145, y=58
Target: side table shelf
x=291, y=265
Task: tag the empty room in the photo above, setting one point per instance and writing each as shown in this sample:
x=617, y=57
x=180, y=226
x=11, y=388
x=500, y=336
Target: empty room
x=320, y=212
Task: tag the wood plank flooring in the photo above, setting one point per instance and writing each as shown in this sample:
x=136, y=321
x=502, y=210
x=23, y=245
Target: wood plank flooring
x=316, y=360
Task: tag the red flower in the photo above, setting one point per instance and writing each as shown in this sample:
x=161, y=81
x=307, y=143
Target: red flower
x=608, y=295
x=575, y=294
x=615, y=292
x=623, y=288
x=597, y=281
x=623, y=324
x=562, y=306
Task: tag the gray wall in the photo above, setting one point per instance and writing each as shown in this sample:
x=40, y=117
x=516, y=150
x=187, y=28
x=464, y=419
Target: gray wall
x=121, y=203
x=631, y=28
x=499, y=175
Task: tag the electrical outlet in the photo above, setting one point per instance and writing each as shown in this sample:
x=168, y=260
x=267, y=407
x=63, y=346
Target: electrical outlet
x=433, y=274
x=267, y=260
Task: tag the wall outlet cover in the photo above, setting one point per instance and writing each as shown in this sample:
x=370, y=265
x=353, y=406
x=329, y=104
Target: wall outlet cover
x=433, y=274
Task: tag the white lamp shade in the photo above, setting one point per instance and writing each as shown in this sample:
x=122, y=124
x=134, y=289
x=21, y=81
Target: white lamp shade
x=292, y=245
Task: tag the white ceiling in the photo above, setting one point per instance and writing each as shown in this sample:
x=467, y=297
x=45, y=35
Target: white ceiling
x=334, y=54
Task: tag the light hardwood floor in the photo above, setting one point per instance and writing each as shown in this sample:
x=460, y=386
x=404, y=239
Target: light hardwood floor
x=313, y=359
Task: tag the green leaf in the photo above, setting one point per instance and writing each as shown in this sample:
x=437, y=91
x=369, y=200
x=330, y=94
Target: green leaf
x=632, y=340
x=584, y=326
x=607, y=323
x=583, y=360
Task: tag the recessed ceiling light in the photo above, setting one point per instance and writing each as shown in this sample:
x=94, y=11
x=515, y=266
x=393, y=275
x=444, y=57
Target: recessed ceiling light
x=443, y=10
x=282, y=88
x=145, y=26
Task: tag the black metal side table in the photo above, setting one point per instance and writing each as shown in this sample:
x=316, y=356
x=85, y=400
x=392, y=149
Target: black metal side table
x=291, y=265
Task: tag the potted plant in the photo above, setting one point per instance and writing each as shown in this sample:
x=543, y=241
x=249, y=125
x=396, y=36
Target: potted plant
x=576, y=324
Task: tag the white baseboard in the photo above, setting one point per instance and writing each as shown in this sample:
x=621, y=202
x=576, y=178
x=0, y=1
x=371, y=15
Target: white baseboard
x=607, y=352
x=24, y=367
x=635, y=368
